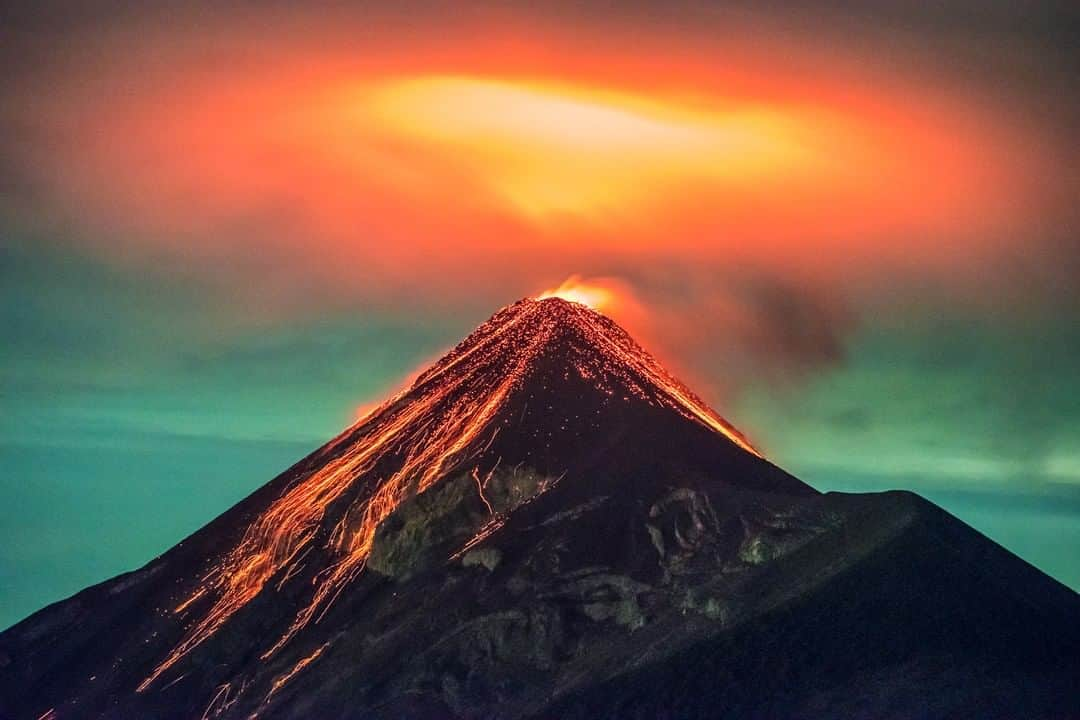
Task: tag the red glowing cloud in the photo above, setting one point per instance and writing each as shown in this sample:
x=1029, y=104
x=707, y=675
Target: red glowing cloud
x=394, y=161
x=422, y=151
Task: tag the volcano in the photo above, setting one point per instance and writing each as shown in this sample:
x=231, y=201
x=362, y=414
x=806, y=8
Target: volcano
x=547, y=524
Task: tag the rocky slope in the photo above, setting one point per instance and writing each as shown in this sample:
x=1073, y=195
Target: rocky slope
x=548, y=525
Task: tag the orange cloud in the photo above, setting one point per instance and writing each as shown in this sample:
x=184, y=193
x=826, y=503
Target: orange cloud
x=546, y=149
x=387, y=157
x=372, y=158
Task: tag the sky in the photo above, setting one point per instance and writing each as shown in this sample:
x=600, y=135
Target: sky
x=226, y=228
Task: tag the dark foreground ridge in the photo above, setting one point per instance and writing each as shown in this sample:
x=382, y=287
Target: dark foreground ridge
x=547, y=524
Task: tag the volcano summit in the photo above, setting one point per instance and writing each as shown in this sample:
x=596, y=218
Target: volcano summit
x=547, y=524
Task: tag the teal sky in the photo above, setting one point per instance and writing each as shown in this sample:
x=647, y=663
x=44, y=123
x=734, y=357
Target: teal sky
x=209, y=259
x=134, y=413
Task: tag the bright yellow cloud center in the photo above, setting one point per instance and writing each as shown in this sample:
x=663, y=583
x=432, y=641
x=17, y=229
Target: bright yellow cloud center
x=550, y=149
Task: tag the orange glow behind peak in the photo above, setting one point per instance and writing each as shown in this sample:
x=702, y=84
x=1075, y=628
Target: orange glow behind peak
x=593, y=294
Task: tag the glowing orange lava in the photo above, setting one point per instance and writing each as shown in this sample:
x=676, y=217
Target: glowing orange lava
x=590, y=294
x=446, y=421
x=303, y=663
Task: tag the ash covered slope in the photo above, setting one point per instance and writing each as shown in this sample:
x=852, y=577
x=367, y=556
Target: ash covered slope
x=547, y=523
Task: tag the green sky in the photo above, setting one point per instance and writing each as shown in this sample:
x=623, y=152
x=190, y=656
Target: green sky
x=135, y=410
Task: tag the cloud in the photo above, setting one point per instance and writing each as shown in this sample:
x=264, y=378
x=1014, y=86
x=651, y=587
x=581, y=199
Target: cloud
x=759, y=191
x=938, y=394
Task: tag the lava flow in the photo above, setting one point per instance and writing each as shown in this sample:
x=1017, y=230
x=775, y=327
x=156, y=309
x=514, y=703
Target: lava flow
x=592, y=294
x=447, y=421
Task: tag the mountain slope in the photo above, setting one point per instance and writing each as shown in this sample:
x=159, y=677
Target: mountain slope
x=547, y=524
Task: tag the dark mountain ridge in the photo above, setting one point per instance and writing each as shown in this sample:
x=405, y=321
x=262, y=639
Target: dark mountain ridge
x=547, y=524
